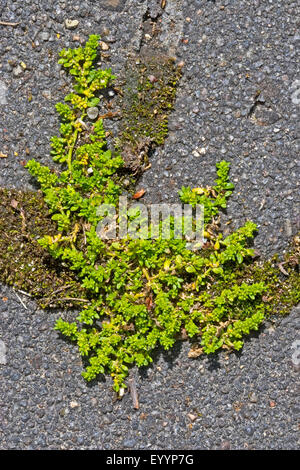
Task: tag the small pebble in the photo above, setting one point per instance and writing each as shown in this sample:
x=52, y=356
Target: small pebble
x=17, y=71
x=74, y=404
x=225, y=445
x=71, y=24
x=129, y=443
x=104, y=46
x=92, y=112
x=253, y=398
x=249, y=430
x=45, y=35
x=192, y=417
x=199, y=151
x=46, y=94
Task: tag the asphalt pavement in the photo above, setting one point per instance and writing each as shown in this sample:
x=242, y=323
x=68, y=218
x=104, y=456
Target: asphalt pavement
x=238, y=100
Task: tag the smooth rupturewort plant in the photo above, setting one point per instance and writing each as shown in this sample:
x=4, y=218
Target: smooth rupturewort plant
x=142, y=293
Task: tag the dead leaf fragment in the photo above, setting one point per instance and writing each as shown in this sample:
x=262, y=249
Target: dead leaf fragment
x=192, y=417
x=3, y=155
x=139, y=194
x=104, y=46
x=238, y=406
x=184, y=334
x=129, y=327
x=195, y=352
x=149, y=302
x=280, y=266
x=14, y=203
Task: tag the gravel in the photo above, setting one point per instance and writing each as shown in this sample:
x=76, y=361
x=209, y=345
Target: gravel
x=237, y=101
x=71, y=24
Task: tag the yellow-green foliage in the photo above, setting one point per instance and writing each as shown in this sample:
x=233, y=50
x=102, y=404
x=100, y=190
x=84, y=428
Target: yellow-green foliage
x=143, y=293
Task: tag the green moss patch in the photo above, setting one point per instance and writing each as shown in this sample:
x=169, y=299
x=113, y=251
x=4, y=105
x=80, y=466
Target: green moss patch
x=24, y=264
x=281, y=278
x=149, y=96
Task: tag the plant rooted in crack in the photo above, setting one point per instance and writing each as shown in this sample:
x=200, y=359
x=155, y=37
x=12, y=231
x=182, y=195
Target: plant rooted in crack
x=143, y=293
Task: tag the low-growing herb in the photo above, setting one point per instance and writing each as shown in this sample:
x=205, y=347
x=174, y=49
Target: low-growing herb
x=143, y=293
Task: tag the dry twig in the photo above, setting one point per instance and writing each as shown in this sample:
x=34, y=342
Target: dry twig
x=6, y=23
x=280, y=266
x=71, y=298
x=19, y=298
x=133, y=393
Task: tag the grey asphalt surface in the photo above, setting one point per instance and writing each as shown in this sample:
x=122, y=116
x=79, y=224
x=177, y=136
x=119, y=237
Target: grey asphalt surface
x=238, y=100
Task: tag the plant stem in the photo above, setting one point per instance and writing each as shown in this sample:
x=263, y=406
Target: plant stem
x=70, y=152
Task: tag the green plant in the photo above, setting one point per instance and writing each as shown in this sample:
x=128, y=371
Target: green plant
x=142, y=293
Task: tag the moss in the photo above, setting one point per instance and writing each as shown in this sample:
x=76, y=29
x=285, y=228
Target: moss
x=148, y=98
x=284, y=283
x=279, y=274
x=281, y=277
x=24, y=264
